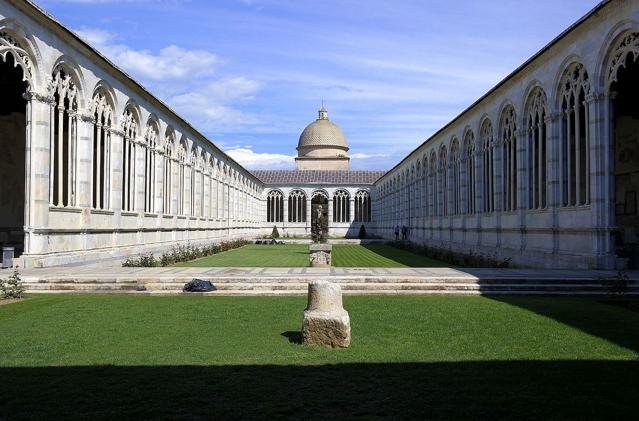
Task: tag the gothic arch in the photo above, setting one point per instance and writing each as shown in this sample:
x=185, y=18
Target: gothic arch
x=616, y=36
x=529, y=95
x=341, y=206
x=509, y=169
x=320, y=192
x=274, y=206
x=22, y=45
x=534, y=122
x=555, y=92
x=131, y=117
x=107, y=90
x=468, y=140
x=297, y=206
x=71, y=68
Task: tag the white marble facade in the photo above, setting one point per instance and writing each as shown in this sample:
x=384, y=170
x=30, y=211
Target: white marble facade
x=543, y=169
x=529, y=171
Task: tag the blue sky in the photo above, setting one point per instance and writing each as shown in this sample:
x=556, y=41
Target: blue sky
x=250, y=74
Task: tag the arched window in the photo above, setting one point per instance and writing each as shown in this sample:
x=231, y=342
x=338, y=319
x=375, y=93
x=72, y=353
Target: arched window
x=433, y=184
x=537, y=168
x=455, y=179
x=471, y=166
x=275, y=206
x=341, y=208
x=64, y=139
x=200, y=185
x=181, y=181
x=150, y=145
x=507, y=127
x=168, y=174
x=425, y=189
x=443, y=181
x=102, y=112
x=297, y=206
x=574, y=145
x=362, y=206
x=486, y=136
x=192, y=179
x=130, y=127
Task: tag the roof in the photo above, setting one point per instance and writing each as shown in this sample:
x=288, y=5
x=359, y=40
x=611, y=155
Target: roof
x=317, y=177
x=322, y=132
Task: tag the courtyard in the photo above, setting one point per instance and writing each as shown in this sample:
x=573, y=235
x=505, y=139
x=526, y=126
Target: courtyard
x=296, y=255
x=105, y=356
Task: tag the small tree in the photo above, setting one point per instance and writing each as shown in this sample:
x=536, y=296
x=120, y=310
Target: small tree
x=362, y=232
x=12, y=287
x=275, y=233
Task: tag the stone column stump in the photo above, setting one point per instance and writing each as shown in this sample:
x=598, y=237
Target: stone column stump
x=325, y=322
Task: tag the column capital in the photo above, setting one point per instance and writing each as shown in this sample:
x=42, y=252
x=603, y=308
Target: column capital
x=39, y=97
x=86, y=118
x=553, y=116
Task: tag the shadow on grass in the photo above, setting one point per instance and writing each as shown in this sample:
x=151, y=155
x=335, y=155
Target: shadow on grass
x=403, y=257
x=293, y=337
x=490, y=390
x=610, y=318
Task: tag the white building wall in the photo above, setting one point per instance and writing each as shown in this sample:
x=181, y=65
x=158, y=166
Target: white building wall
x=556, y=235
x=79, y=233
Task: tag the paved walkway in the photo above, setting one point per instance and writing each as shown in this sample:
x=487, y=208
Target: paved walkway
x=299, y=272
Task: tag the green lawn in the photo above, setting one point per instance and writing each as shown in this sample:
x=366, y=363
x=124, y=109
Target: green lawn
x=379, y=255
x=194, y=357
x=296, y=255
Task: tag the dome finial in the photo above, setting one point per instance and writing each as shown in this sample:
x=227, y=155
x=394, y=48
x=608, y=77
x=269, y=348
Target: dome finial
x=323, y=114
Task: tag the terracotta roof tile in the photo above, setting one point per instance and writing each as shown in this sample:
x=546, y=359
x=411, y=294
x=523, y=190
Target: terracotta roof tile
x=317, y=176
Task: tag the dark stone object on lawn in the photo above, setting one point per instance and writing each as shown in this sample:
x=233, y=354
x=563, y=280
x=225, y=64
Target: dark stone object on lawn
x=198, y=285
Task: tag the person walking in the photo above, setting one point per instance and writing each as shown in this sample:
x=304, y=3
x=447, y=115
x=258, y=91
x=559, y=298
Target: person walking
x=404, y=232
x=397, y=233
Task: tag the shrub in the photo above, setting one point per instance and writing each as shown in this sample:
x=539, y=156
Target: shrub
x=275, y=233
x=146, y=261
x=12, y=287
x=362, y=232
x=452, y=257
x=183, y=253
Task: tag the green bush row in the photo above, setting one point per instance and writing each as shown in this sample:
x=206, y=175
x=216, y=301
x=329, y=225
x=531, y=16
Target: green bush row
x=183, y=254
x=469, y=260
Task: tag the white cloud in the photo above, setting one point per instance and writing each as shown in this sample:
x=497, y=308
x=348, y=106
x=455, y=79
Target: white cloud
x=184, y=78
x=170, y=63
x=258, y=161
x=367, y=156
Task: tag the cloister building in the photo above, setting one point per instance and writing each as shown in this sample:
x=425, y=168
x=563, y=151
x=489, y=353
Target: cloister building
x=543, y=169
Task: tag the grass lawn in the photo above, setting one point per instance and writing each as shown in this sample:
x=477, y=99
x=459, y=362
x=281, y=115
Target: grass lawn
x=193, y=357
x=296, y=255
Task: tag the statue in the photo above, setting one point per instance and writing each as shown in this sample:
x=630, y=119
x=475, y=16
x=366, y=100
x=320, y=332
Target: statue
x=319, y=227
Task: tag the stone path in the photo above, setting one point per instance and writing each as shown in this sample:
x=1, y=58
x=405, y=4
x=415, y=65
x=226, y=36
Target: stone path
x=290, y=281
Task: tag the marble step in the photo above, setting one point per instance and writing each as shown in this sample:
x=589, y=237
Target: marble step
x=133, y=280
x=301, y=287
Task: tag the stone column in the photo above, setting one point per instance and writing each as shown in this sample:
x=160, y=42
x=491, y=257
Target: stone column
x=602, y=177
x=325, y=321
x=84, y=161
x=159, y=181
x=308, y=210
x=37, y=170
x=330, y=214
x=523, y=185
x=553, y=194
x=117, y=145
x=140, y=176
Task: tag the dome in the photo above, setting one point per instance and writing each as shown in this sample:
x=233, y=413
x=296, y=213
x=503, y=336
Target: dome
x=323, y=133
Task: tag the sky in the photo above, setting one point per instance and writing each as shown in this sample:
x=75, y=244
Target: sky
x=251, y=74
